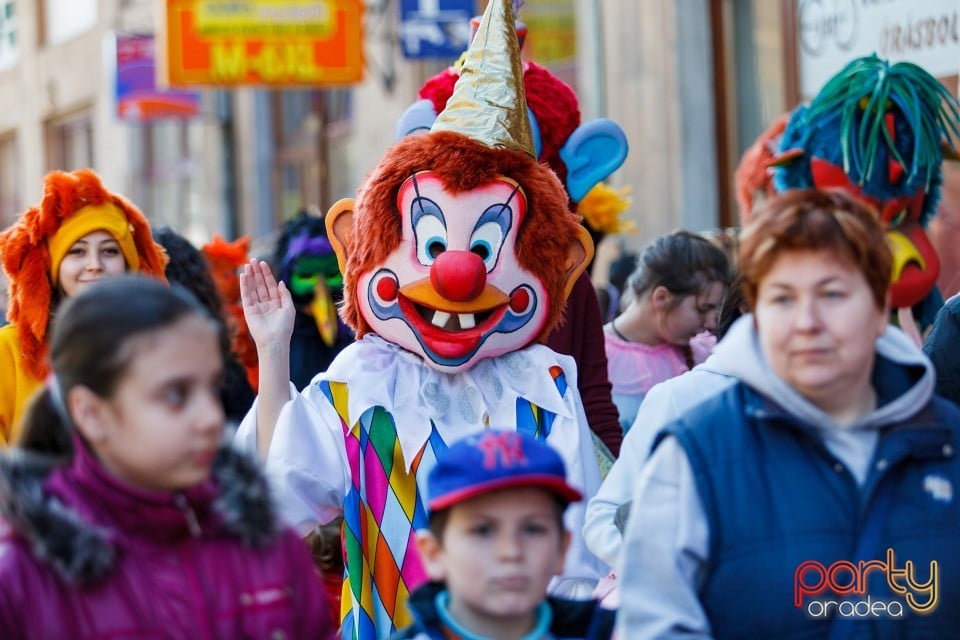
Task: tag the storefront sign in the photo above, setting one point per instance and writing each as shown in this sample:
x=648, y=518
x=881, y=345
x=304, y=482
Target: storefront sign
x=137, y=96
x=833, y=32
x=261, y=42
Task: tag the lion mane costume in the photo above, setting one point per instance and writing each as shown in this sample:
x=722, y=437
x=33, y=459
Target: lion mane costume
x=26, y=257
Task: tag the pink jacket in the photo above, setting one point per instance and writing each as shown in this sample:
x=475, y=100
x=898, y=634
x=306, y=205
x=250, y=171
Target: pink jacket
x=83, y=555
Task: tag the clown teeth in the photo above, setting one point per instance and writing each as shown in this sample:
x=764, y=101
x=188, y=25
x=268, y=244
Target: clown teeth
x=440, y=319
x=467, y=321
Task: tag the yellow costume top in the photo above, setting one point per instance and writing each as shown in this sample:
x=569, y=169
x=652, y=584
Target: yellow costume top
x=17, y=386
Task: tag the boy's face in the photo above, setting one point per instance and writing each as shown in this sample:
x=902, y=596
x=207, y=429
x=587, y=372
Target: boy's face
x=498, y=553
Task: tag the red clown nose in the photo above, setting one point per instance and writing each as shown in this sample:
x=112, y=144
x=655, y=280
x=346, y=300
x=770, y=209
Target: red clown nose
x=458, y=275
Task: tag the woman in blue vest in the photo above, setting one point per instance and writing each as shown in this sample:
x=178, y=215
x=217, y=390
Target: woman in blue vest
x=814, y=497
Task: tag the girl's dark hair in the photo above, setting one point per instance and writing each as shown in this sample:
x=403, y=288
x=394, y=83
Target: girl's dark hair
x=188, y=268
x=89, y=346
x=683, y=262
x=732, y=308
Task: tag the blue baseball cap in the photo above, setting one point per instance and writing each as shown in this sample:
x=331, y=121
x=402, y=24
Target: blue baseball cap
x=494, y=460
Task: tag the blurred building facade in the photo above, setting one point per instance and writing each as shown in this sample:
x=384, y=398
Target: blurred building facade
x=249, y=160
x=692, y=82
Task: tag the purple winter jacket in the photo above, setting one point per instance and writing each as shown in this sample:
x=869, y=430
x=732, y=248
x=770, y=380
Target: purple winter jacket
x=83, y=556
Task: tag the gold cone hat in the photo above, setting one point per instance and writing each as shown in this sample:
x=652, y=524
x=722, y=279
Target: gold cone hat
x=488, y=102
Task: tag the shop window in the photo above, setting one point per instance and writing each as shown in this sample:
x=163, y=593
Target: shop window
x=754, y=81
x=298, y=166
x=10, y=180
x=9, y=52
x=338, y=124
x=166, y=174
x=70, y=142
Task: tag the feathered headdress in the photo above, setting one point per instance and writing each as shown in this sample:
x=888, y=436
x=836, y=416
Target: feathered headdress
x=26, y=256
x=889, y=126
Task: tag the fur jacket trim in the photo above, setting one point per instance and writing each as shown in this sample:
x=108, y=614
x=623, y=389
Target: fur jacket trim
x=59, y=536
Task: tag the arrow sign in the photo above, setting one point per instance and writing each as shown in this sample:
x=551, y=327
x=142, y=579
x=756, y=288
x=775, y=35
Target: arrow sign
x=435, y=28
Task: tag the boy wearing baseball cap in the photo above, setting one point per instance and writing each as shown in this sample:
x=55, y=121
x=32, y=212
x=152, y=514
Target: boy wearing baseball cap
x=496, y=538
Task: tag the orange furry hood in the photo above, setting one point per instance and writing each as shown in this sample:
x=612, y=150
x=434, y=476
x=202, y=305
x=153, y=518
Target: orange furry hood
x=753, y=174
x=235, y=252
x=26, y=258
x=224, y=259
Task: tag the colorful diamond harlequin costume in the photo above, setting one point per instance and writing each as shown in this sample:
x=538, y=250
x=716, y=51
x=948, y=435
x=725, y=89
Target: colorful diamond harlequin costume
x=457, y=256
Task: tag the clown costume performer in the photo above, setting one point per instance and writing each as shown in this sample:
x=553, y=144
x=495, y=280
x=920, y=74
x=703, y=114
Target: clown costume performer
x=583, y=154
x=457, y=256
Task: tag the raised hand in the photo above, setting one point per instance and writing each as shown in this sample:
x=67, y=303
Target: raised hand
x=267, y=306
x=270, y=313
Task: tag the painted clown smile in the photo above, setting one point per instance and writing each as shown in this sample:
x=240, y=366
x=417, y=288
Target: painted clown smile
x=453, y=322
x=450, y=331
x=450, y=334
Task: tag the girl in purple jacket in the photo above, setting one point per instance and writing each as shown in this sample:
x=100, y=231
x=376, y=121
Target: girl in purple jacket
x=123, y=514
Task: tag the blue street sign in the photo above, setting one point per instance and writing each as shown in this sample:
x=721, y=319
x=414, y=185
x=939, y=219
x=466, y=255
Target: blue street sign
x=435, y=28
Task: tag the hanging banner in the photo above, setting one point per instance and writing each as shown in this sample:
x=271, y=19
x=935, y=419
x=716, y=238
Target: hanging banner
x=137, y=97
x=279, y=43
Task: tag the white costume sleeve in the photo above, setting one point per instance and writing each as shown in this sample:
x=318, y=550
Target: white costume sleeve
x=600, y=530
x=665, y=549
x=307, y=465
x=664, y=403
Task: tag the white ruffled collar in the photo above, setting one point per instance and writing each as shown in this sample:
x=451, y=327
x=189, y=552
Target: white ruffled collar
x=381, y=374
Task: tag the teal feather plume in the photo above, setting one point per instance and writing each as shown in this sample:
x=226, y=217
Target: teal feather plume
x=870, y=85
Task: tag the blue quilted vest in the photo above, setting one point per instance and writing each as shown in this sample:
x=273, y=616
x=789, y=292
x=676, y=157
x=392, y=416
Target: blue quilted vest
x=775, y=498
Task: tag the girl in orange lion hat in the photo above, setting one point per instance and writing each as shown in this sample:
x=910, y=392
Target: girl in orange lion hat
x=79, y=233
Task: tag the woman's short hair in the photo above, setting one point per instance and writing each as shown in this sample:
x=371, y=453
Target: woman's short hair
x=814, y=220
